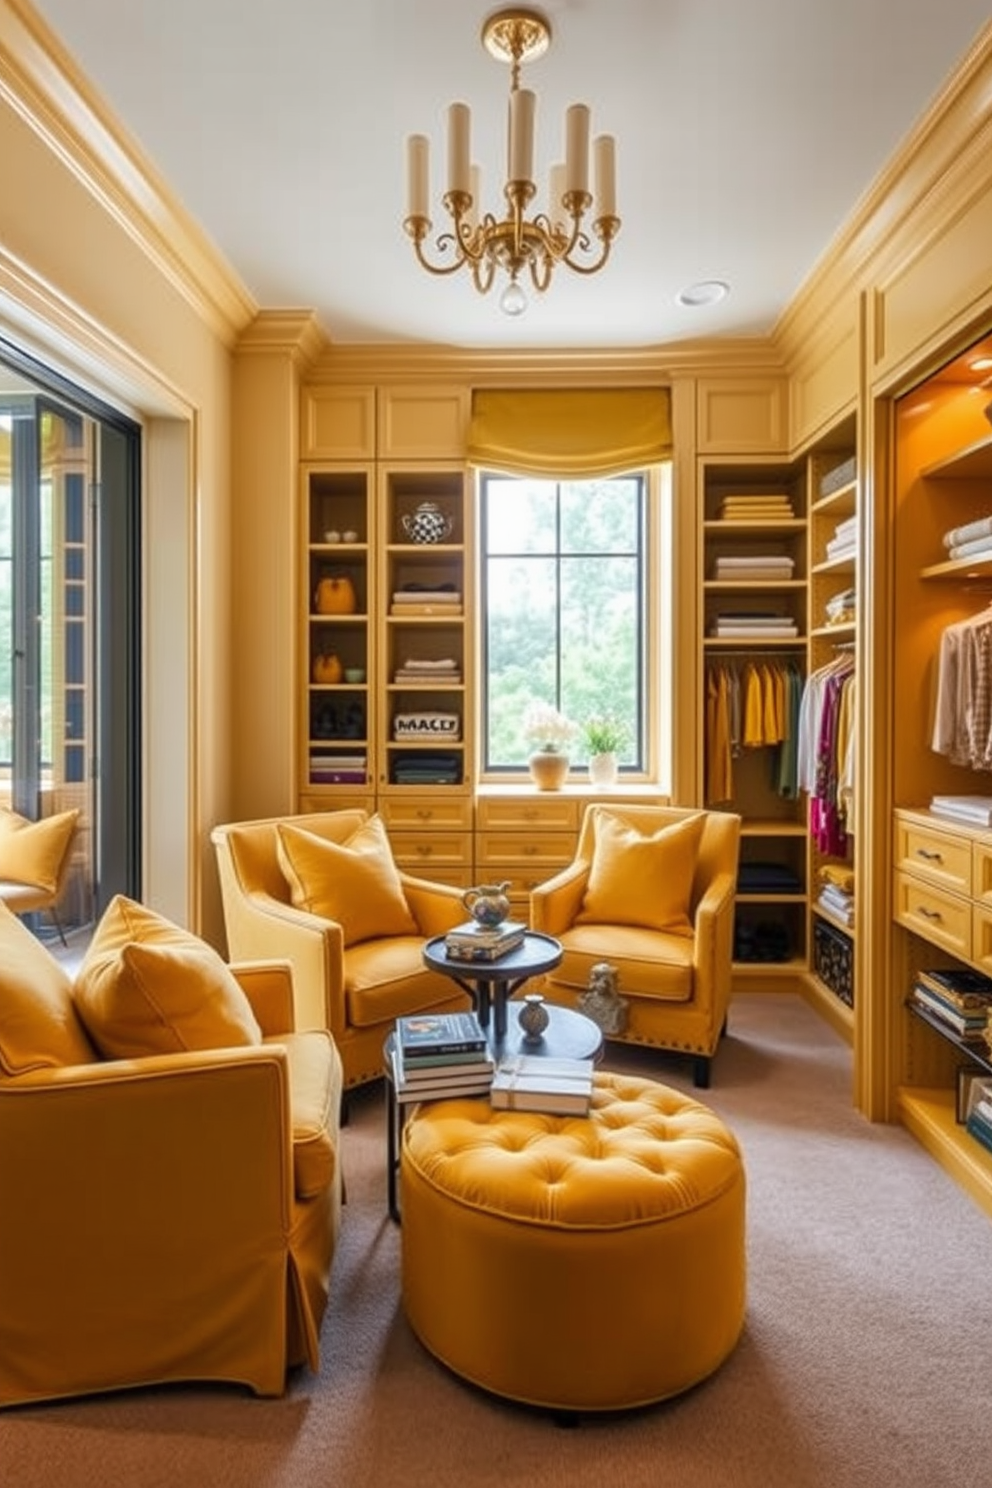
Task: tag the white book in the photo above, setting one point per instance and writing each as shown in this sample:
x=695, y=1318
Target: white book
x=530, y=1082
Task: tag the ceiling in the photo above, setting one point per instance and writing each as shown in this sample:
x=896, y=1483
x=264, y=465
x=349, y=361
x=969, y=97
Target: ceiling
x=747, y=131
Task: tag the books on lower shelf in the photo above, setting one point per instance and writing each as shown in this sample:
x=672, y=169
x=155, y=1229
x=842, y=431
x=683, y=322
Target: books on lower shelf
x=979, y=1117
x=531, y=1082
x=474, y=942
x=470, y=1075
x=963, y=1009
x=425, y=1037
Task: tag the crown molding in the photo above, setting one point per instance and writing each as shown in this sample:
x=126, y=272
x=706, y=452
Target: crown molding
x=41, y=82
x=924, y=172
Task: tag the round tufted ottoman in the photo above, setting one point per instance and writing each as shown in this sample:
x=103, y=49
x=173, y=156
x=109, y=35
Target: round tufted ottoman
x=578, y=1263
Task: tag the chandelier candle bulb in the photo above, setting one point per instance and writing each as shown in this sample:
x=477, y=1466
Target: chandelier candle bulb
x=577, y=148
x=459, y=123
x=472, y=213
x=605, y=174
x=522, y=107
x=418, y=175
x=556, y=193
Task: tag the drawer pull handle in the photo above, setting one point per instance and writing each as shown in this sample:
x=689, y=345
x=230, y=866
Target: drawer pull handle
x=425, y=813
x=930, y=855
x=929, y=914
x=530, y=850
x=423, y=850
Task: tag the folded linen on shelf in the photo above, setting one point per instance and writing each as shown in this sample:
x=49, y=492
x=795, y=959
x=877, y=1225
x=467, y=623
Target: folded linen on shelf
x=980, y=527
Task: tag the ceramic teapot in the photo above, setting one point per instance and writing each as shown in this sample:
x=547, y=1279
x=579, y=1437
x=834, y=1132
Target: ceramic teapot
x=335, y=596
x=487, y=904
x=428, y=524
x=327, y=667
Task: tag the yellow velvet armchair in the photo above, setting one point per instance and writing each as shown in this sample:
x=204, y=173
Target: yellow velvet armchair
x=164, y=1218
x=650, y=892
x=356, y=950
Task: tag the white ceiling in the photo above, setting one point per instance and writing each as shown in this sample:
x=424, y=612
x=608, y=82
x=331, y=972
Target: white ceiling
x=746, y=130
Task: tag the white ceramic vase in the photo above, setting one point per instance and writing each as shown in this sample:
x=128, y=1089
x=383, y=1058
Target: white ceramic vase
x=603, y=769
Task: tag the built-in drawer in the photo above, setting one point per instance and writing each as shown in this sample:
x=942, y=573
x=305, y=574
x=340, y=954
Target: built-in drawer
x=511, y=813
x=421, y=853
x=941, y=858
x=427, y=812
x=522, y=850
x=937, y=916
x=981, y=873
x=981, y=938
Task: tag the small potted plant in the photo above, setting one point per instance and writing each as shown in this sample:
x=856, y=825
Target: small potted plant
x=549, y=734
x=604, y=735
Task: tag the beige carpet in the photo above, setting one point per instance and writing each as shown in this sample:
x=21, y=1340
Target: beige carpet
x=866, y=1358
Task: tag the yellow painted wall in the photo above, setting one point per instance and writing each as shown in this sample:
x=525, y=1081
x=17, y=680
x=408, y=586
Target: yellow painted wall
x=102, y=302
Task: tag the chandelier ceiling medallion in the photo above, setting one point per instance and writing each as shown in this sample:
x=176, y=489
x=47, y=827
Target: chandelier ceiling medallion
x=483, y=243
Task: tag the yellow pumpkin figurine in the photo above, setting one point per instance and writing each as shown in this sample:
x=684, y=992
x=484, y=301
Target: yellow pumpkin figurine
x=336, y=596
x=327, y=667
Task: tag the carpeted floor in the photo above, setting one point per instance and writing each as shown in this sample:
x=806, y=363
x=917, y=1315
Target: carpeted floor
x=865, y=1360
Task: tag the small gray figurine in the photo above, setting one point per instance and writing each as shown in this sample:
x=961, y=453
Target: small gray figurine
x=602, y=1002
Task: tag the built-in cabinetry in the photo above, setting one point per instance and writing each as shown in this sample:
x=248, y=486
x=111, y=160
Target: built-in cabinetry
x=942, y=867
x=778, y=544
x=338, y=644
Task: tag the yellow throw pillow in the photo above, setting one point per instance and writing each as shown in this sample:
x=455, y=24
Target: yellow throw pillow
x=39, y=1028
x=146, y=986
x=356, y=882
x=32, y=852
x=642, y=880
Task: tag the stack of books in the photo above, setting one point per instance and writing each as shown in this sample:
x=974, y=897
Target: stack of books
x=959, y=998
x=338, y=769
x=438, y=1055
x=974, y=809
x=475, y=942
x=532, y=1082
x=979, y=1118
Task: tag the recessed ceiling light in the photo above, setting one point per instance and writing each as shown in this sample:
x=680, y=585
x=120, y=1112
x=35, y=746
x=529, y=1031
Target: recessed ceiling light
x=981, y=364
x=706, y=292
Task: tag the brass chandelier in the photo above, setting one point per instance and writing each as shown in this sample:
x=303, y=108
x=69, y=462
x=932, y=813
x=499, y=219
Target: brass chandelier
x=515, y=243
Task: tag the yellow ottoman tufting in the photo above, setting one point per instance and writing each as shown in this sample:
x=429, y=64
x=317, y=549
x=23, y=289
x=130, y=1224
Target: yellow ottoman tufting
x=575, y=1263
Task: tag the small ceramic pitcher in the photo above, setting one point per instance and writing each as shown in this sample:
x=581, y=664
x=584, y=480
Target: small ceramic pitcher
x=487, y=904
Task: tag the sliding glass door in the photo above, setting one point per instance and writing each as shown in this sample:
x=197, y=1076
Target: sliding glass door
x=69, y=625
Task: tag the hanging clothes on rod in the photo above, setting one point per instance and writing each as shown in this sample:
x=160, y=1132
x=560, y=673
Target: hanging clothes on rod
x=826, y=755
x=962, y=717
x=751, y=705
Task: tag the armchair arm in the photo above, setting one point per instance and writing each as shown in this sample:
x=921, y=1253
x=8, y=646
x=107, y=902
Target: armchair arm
x=139, y=1194
x=260, y=927
x=554, y=904
x=268, y=985
x=435, y=907
x=713, y=945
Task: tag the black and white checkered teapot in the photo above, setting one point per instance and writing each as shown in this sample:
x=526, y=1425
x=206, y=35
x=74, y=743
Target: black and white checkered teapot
x=428, y=524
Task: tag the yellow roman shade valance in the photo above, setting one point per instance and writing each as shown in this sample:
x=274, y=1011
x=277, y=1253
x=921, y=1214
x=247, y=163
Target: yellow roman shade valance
x=577, y=432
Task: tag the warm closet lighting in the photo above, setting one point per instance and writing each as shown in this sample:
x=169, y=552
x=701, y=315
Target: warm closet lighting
x=514, y=242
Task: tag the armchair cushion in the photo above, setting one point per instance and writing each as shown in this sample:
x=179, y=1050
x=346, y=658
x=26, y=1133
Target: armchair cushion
x=313, y=1088
x=355, y=883
x=32, y=852
x=148, y=987
x=39, y=1025
x=642, y=879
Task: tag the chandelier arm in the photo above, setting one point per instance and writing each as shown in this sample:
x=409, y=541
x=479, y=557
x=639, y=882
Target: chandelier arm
x=442, y=244
x=606, y=229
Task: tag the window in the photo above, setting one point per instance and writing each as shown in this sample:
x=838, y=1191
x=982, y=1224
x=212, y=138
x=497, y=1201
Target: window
x=70, y=624
x=564, y=612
